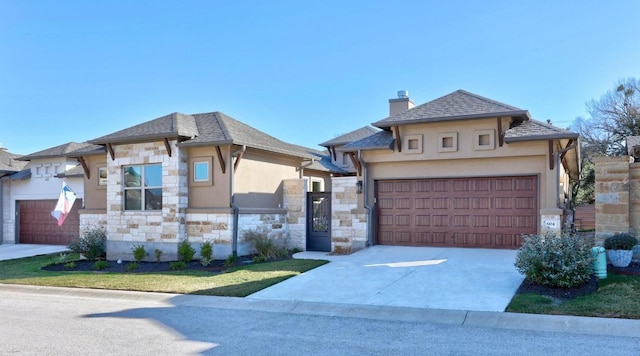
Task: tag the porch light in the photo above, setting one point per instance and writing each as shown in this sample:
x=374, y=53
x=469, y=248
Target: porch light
x=359, y=187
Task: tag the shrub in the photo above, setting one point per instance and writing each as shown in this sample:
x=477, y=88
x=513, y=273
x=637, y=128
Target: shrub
x=158, y=254
x=557, y=261
x=265, y=247
x=206, y=253
x=139, y=253
x=231, y=261
x=92, y=243
x=70, y=265
x=185, y=251
x=132, y=266
x=620, y=242
x=63, y=258
x=177, y=266
x=100, y=265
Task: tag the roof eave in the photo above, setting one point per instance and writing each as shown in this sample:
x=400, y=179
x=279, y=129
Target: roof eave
x=541, y=137
x=519, y=113
x=136, y=139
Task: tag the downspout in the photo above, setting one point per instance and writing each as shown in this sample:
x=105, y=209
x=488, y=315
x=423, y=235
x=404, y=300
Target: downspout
x=365, y=176
x=572, y=146
x=303, y=166
x=232, y=200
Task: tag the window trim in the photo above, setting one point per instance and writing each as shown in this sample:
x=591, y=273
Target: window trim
x=444, y=135
x=192, y=179
x=476, y=140
x=407, y=139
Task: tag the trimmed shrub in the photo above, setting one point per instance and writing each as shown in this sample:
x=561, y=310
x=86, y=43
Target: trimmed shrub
x=139, y=253
x=185, y=251
x=556, y=261
x=158, y=254
x=206, y=253
x=620, y=242
x=92, y=243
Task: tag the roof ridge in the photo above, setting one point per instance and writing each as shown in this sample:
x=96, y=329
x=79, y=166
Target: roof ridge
x=220, y=120
x=480, y=97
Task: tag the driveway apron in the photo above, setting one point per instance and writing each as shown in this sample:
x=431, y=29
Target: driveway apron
x=418, y=277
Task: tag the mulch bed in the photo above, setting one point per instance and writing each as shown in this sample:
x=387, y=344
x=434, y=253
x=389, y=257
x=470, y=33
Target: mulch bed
x=215, y=266
x=564, y=294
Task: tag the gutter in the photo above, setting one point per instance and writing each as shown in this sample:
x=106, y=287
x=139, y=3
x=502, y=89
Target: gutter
x=365, y=176
x=232, y=200
x=305, y=165
x=568, y=148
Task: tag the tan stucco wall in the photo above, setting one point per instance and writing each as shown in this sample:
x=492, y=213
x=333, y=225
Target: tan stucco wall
x=216, y=195
x=95, y=194
x=258, y=180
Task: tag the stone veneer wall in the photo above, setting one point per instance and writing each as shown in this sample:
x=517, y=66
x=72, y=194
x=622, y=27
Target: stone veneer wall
x=92, y=220
x=295, y=201
x=9, y=222
x=157, y=229
x=612, y=192
x=348, y=223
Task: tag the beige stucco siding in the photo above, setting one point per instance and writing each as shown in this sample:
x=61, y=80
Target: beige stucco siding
x=258, y=180
x=95, y=193
x=216, y=194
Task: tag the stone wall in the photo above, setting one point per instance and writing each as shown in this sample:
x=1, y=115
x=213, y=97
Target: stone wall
x=348, y=223
x=295, y=201
x=612, y=193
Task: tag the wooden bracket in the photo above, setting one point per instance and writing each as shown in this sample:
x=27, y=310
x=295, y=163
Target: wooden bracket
x=551, y=155
x=356, y=163
x=85, y=168
x=221, y=160
x=111, y=153
x=396, y=129
x=237, y=162
x=500, y=133
x=167, y=146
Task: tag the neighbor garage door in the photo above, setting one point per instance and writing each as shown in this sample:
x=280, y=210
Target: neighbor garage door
x=460, y=212
x=37, y=226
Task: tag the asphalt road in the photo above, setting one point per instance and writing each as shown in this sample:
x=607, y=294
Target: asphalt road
x=44, y=321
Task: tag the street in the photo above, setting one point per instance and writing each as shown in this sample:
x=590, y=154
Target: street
x=56, y=321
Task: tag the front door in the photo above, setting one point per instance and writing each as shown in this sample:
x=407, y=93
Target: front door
x=319, y=221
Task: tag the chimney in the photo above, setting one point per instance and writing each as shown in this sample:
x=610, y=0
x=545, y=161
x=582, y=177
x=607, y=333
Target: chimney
x=402, y=103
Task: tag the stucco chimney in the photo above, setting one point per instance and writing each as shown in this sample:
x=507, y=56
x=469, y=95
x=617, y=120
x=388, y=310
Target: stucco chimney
x=402, y=103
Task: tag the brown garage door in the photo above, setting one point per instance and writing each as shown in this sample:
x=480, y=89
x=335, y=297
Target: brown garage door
x=460, y=212
x=37, y=226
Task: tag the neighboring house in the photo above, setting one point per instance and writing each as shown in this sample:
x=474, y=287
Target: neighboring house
x=345, y=159
x=201, y=177
x=31, y=194
x=9, y=165
x=461, y=170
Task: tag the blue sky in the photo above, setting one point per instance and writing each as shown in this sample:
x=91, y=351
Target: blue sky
x=302, y=71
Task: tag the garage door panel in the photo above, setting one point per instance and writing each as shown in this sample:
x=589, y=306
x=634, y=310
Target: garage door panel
x=470, y=212
x=37, y=226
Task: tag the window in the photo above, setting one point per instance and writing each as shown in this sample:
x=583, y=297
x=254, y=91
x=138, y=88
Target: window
x=316, y=185
x=143, y=187
x=201, y=171
x=345, y=159
x=484, y=140
x=413, y=144
x=102, y=175
x=448, y=142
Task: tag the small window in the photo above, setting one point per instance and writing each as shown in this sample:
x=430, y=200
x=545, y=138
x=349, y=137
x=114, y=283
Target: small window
x=412, y=144
x=102, y=175
x=143, y=187
x=316, y=186
x=448, y=142
x=484, y=140
x=201, y=171
x=345, y=159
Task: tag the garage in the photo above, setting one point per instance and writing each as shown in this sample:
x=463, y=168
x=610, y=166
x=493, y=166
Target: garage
x=486, y=212
x=37, y=226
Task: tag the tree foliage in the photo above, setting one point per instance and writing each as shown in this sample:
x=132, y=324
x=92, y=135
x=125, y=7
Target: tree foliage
x=613, y=117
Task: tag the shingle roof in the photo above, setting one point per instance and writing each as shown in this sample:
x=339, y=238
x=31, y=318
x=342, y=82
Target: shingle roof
x=458, y=105
x=169, y=126
x=377, y=141
x=22, y=175
x=9, y=162
x=351, y=136
x=64, y=150
x=76, y=171
x=532, y=130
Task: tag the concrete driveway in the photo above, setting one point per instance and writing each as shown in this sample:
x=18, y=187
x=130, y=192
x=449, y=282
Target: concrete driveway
x=418, y=277
x=13, y=251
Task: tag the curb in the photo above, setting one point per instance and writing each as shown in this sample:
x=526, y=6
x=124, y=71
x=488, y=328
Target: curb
x=498, y=320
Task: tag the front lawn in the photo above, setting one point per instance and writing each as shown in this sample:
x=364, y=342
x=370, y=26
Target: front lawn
x=618, y=296
x=236, y=281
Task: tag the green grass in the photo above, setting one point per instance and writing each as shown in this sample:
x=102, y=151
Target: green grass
x=618, y=296
x=237, y=282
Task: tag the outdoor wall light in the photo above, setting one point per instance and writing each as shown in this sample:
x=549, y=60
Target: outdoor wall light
x=359, y=187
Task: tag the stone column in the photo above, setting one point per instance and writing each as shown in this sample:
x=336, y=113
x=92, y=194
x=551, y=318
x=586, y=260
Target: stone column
x=294, y=199
x=612, y=196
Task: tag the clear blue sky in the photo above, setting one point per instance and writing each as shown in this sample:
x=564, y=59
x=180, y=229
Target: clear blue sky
x=302, y=71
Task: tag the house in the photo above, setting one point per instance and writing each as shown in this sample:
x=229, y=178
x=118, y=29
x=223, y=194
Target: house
x=201, y=177
x=461, y=170
x=343, y=159
x=31, y=194
x=9, y=165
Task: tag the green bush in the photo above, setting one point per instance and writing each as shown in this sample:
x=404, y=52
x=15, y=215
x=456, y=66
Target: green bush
x=158, y=254
x=556, y=261
x=206, y=253
x=185, y=251
x=70, y=265
x=231, y=261
x=100, y=265
x=92, y=243
x=620, y=242
x=139, y=253
x=132, y=266
x=177, y=266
